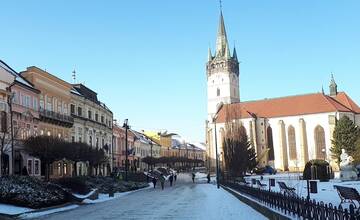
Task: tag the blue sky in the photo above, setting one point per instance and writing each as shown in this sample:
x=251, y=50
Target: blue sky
x=146, y=59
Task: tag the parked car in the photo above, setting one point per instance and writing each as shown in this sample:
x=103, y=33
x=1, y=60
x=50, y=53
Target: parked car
x=264, y=170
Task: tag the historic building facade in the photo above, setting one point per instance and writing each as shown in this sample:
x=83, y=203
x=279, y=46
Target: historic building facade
x=92, y=125
x=286, y=132
x=55, y=119
x=25, y=121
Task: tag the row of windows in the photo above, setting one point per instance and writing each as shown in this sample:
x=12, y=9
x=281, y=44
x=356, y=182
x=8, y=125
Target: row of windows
x=25, y=100
x=90, y=115
x=53, y=104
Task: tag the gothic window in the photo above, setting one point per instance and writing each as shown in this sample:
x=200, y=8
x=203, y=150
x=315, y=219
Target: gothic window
x=218, y=92
x=292, y=143
x=319, y=135
x=270, y=143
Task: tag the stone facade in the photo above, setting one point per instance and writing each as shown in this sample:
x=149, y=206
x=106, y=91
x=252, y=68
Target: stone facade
x=92, y=125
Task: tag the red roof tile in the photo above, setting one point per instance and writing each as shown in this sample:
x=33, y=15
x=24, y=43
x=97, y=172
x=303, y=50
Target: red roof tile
x=288, y=106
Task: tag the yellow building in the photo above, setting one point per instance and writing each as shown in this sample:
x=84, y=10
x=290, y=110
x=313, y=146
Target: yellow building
x=55, y=118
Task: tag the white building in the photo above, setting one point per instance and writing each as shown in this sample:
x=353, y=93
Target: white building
x=288, y=131
x=92, y=124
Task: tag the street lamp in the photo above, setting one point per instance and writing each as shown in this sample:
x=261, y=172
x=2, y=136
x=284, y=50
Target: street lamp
x=216, y=148
x=10, y=100
x=126, y=126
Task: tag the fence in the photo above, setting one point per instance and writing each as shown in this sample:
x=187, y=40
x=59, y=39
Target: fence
x=297, y=207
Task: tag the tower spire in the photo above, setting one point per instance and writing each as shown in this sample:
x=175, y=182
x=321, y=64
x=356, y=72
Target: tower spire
x=221, y=40
x=234, y=56
x=209, y=55
x=333, y=86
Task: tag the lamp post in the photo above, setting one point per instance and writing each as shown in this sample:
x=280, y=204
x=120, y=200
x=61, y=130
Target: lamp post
x=126, y=126
x=216, y=148
x=10, y=100
x=151, y=156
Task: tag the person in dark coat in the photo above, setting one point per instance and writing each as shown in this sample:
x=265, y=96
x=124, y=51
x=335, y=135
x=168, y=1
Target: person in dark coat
x=175, y=176
x=208, y=178
x=171, y=179
x=193, y=177
x=162, y=181
x=154, y=181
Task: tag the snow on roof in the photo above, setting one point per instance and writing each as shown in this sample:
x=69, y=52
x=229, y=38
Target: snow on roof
x=18, y=77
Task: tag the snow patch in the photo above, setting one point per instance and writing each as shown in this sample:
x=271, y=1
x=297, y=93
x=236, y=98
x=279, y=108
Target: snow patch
x=48, y=212
x=13, y=210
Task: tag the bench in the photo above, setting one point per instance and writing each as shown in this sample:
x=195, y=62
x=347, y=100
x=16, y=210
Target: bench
x=289, y=191
x=348, y=195
x=261, y=185
x=242, y=181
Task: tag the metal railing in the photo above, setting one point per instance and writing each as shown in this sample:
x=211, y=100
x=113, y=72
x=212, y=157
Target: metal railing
x=56, y=116
x=296, y=206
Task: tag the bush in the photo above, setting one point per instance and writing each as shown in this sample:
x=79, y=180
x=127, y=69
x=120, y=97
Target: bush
x=317, y=170
x=30, y=192
x=75, y=184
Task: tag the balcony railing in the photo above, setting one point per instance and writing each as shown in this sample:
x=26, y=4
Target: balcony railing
x=56, y=116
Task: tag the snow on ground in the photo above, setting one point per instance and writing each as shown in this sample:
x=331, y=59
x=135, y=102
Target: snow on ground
x=13, y=210
x=27, y=213
x=48, y=212
x=326, y=191
x=185, y=200
x=105, y=197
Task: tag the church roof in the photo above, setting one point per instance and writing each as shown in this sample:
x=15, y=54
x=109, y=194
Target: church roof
x=288, y=106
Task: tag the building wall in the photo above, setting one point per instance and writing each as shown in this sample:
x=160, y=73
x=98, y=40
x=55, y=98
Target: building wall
x=304, y=126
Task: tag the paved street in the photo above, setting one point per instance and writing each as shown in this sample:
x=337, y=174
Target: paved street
x=185, y=200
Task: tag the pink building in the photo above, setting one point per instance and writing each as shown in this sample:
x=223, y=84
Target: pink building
x=25, y=114
x=119, y=148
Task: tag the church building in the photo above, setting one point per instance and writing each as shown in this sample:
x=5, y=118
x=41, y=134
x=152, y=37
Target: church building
x=286, y=132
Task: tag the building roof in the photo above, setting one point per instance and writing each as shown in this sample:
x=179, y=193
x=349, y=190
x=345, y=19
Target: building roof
x=18, y=77
x=288, y=106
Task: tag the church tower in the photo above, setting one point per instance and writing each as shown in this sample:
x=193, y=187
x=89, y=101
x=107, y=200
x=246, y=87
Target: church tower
x=222, y=71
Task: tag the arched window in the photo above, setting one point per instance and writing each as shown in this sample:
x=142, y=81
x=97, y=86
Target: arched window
x=218, y=92
x=320, y=147
x=292, y=143
x=270, y=143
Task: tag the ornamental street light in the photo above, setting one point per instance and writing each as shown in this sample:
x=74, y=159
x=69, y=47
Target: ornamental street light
x=126, y=126
x=216, y=148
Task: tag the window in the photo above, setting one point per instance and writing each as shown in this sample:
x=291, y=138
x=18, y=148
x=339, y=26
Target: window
x=35, y=104
x=29, y=167
x=102, y=119
x=319, y=135
x=89, y=114
x=90, y=140
x=37, y=167
x=80, y=139
x=42, y=105
x=16, y=98
x=270, y=143
x=73, y=139
x=218, y=92
x=292, y=143
x=65, y=169
x=97, y=142
x=79, y=111
x=96, y=117
x=72, y=109
x=49, y=104
x=59, y=169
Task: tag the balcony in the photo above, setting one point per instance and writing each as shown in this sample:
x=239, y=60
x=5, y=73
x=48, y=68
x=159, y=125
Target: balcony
x=56, y=118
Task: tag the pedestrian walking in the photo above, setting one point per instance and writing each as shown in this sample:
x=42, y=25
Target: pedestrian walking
x=154, y=181
x=193, y=177
x=175, y=176
x=162, y=181
x=171, y=179
x=208, y=178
